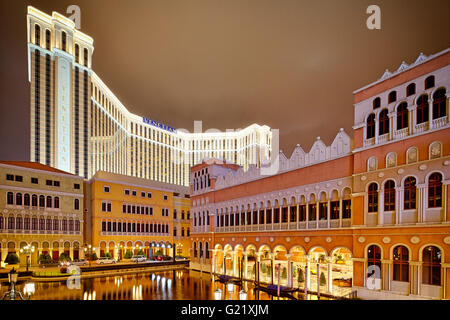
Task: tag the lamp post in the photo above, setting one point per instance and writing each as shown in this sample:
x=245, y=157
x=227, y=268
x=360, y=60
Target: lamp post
x=230, y=287
x=89, y=250
x=12, y=277
x=218, y=294
x=28, y=250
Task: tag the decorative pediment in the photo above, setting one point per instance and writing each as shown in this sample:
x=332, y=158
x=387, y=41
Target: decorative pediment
x=402, y=67
x=284, y=164
x=386, y=75
x=421, y=58
x=341, y=144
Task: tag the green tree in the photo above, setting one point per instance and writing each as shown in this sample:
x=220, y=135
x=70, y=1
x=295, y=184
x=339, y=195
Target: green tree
x=107, y=254
x=93, y=257
x=301, y=276
x=284, y=273
x=141, y=253
x=12, y=258
x=64, y=257
x=128, y=254
x=45, y=258
x=323, y=280
x=159, y=253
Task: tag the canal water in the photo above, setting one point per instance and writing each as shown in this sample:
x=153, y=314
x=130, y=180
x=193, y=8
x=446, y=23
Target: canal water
x=167, y=285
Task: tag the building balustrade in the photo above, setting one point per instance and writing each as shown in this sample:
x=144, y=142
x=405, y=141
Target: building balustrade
x=399, y=134
x=439, y=122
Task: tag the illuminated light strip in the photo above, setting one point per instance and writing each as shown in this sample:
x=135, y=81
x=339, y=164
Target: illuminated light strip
x=169, y=146
x=63, y=19
x=39, y=14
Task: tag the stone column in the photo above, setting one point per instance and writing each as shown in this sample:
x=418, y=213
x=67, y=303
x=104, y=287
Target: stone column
x=430, y=112
x=398, y=205
x=414, y=277
x=317, y=214
x=272, y=216
x=289, y=270
x=385, y=274
x=381, y=206
x=297, y=212
x=376, y=129
x=341, y=210
x=245, y=265
x=307, y=215
x=308, y=273
x=329, y=261
x=421, y=201
x=272, y=265
x=234, y=264
x=445, y=185
x=392, y=117
x=328, y=213
x=411, y=117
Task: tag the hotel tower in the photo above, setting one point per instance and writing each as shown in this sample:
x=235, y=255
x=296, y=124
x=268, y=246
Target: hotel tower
x=79, y=126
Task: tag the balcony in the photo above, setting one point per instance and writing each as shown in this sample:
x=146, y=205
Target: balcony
x=421, y=127
x=369, y=142
x=439, y=122
x=399, y=134
x=383, y=138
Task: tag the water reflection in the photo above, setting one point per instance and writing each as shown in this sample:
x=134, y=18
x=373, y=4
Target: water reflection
x=168, y=285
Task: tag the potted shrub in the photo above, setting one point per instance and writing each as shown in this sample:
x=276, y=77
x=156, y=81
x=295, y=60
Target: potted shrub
x=323, y=280
x=128, y=255
x=64, y=257
x=301, y=276
x=141, y=253
x=45, y=259
x=284, y=273
x=12, y=259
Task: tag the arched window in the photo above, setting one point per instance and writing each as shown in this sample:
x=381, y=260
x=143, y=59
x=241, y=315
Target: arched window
x=57, y=202
x=18, y=199
x=422, y=109
x=10, y=198
x=373, y=197
x=376, y=103
x=429, y=82
x=384, y=122
x=312, y=208
x=439, y=104
x=11, y=223
x=195, y=250
x=41, y=201
x=34, y=201
x=389, y=196
x=19, y=223
x=435, y=191
x=410, y=193
x=49, y=202
x=374, y=259
x=410, y=89
x=47, y=39
x=401, y=264
x=431, y=268
x=392, y=96
x=26, y=223
x=55, y=224
x=77, y=53
x=371, y=126
x=37, y=35
x=402, y=116
x=26, y=199
x=200, y=249
x=34, y=223
x=41, y=223
x=64, y=41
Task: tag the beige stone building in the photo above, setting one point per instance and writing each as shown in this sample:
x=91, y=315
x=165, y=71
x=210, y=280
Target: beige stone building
x=40, y=206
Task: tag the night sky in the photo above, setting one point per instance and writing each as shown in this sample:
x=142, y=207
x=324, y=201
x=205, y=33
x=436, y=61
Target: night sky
x=292, y=65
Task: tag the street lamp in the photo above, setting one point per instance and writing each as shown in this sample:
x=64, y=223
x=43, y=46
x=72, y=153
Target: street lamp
x=28, y=250
x=242, y=295
x=89, y=250
x=230, y=287
x=218, y=294
x=12, y=277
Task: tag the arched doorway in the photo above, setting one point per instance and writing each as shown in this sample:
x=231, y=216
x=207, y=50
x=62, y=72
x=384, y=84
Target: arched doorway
x=266, y=264
x=76, y=250
x=280, y=266
x=228, y=260
x=250, y=268
x=318, y=269
x=298, y=266
x=341, y=271
x=218, y=257
x=111, y=248
x=55, y=251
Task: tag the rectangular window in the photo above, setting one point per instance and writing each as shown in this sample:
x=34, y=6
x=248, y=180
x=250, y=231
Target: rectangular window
x=127, y=192
x=134, y=193
x=19, y=178
x=76, y=186
x=34, y=180
x=149, y=195
x=124, y=208
x=302, y=212
x=143, y=194
x=56, y=183
x=106, y=189
x=49, y=182
x=108, y=207
x=10, y=177
x=165, y=197
x=312, y=212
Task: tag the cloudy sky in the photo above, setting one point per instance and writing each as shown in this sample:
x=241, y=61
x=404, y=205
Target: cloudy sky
x=289, y=64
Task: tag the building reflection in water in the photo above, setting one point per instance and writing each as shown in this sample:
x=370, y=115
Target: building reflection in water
x=168, y=285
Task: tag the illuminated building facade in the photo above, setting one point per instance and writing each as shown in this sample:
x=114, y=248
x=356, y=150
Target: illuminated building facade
x=40, y=206
x=78, y=125
x=369, y=214
x=126, y=213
